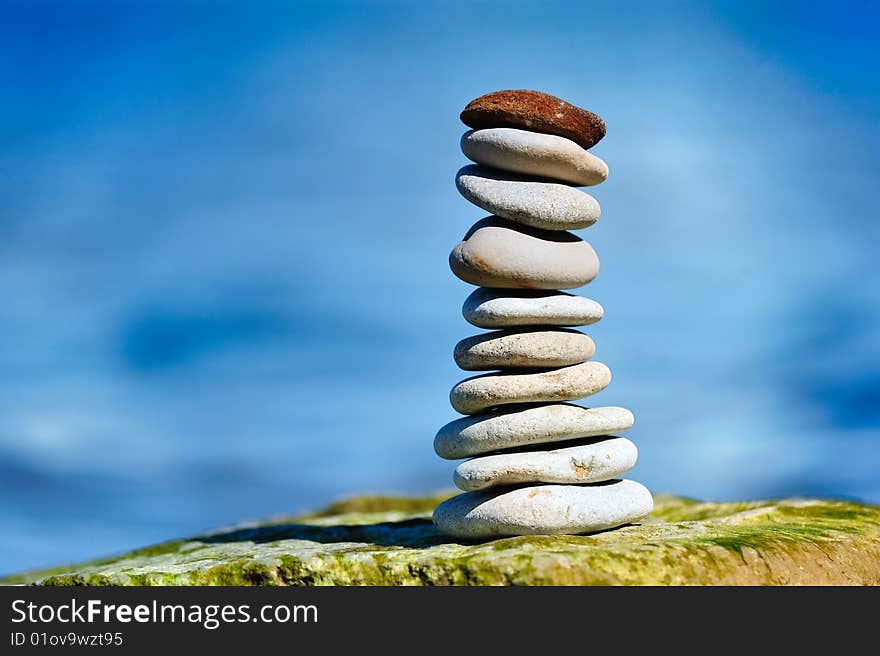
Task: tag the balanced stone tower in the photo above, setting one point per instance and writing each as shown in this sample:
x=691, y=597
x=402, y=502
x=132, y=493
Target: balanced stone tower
x=538, y=464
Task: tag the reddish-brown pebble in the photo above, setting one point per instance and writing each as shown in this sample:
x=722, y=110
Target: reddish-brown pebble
x=535, y=111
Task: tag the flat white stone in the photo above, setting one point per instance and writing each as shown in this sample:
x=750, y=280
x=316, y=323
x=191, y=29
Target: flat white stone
x=505, y=308
x=543, y=510
x=512, y=349
x=545, y=205
x=527, y=426
x=500, y=253
x=534, y=153
x=566, y=384
x=591, y=462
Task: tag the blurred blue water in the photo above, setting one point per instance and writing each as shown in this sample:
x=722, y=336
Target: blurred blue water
x=224, y=230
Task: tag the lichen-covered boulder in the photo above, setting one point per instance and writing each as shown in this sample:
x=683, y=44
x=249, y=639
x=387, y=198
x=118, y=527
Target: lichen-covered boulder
x=391, y=541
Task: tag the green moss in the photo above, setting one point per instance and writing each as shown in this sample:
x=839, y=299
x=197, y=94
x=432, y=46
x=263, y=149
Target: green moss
x=172, y=546
x=841, y=513
x=68, y=580
x=698, y=511
x=237, y=573
x=391, y=541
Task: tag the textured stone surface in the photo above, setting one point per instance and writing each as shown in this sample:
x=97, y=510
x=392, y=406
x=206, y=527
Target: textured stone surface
x=391, y=541
x=543, y=510
x=499, y=253
x=504, y=308
x=566, y=384
x=531, y=153
x=525, y=426
x=589, y=461
x=535, y=111
x=508, y=349
x=545, y=205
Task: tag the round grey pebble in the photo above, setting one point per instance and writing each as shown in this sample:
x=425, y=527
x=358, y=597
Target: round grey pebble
x=527, y=426
x=534, y=153
x=506, y=308
x=500, y=253
x=590, y=462
x=566, y=384
x=543, y=510
x=545, y=205
x=512, y=349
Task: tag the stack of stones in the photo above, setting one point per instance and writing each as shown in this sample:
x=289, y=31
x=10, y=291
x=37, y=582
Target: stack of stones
x=538, y=465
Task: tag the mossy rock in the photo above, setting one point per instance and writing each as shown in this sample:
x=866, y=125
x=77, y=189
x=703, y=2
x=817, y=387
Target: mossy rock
x=391, y=541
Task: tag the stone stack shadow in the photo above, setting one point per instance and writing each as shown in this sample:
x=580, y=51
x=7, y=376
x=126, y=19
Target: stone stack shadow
x=537, y=463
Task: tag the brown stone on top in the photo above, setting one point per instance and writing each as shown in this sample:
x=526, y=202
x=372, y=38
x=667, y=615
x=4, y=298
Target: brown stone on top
x=535, y=111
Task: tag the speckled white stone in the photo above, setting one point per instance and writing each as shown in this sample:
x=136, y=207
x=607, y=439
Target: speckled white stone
x=527, y=426
x=546, y=205
x=505, y=308
x=533, y=153
x=500, y=253
x=566, y=384
x=543, y=510
x=512, y=349
x=591, y=462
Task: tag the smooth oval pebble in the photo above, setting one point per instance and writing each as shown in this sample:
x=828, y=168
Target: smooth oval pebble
x=481, y=392
x=503, y=308
x=499, y=253
x=504, y=349
x=536, y=111
x=595, y=461
x=527, y=426
x=543, y=510
x=532, y=153
x=545, y=205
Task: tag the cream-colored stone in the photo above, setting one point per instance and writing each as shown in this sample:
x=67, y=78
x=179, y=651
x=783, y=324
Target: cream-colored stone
x=543, y=510
x=533, y=153
x=545, y=205
x=527, y=426
x=506, y=308
x=513, y=349
x=500, y=253
x=590, y=462
x=566, y=384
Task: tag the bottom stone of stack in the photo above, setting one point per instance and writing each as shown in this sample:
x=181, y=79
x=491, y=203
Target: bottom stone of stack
x=543, y=510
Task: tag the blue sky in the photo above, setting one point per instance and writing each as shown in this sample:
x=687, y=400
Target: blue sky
x=224, y=230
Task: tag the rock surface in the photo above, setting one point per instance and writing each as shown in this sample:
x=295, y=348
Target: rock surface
x=535, y=111
x=518, y=426
x=505, y=308
x=512, y=349
x=545, y=205
x=476, y=394
x=531, y=153
x=589, y=462
x=391, y=541
x=543, y=510
x=500, y=253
